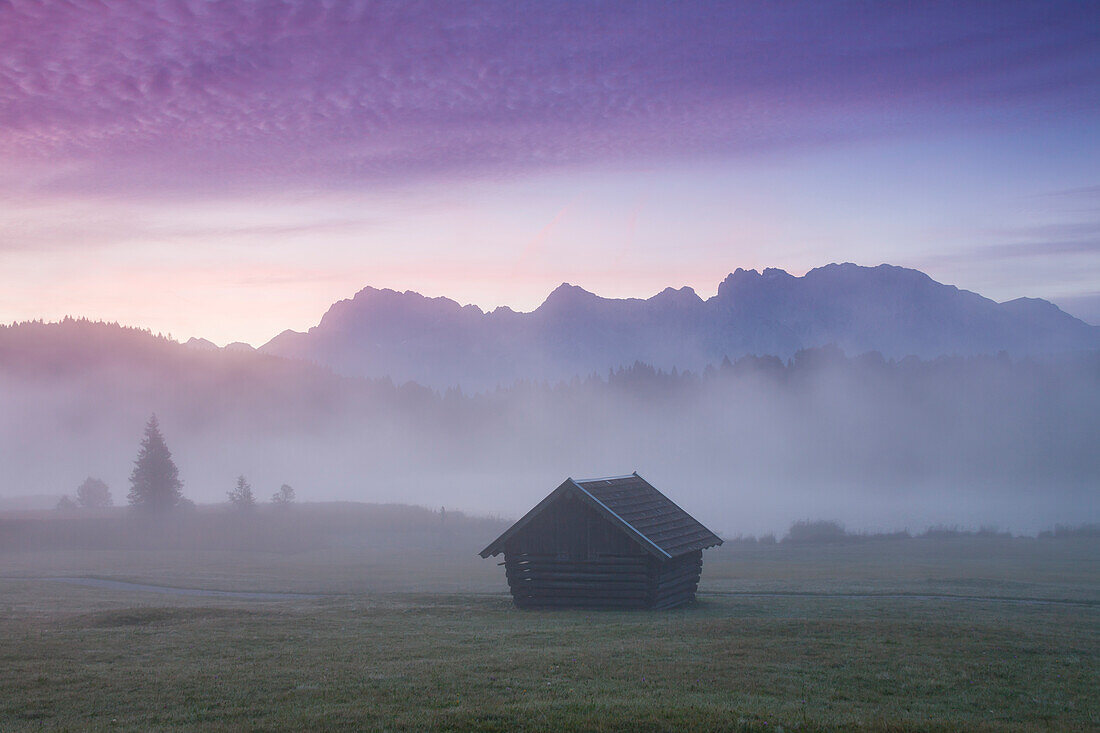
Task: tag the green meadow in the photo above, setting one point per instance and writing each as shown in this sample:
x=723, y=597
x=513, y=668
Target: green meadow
x=402, y=627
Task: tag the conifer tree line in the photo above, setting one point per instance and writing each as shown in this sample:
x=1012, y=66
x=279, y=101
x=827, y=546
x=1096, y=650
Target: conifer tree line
x=155, y=485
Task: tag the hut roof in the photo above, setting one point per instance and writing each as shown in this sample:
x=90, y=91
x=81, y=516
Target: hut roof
x=630, y=502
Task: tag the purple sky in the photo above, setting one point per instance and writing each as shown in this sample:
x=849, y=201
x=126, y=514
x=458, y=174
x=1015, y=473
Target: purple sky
x=229, y=169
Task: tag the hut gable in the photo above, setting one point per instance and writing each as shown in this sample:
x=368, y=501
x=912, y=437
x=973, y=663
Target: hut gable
x=609, y=542
x=632, y=504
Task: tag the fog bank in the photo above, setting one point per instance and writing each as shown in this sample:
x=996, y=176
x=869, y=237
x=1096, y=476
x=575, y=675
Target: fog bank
x=748, y=446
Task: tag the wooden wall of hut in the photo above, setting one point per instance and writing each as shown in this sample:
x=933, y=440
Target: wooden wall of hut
x=571, y=557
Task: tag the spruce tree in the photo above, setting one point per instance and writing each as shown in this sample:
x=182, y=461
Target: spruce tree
x=154, y=482
x=241, y=497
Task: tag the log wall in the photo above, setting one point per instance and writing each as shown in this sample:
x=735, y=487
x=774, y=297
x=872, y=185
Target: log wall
x=611, y=581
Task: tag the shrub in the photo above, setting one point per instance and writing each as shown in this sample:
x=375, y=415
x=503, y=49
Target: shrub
x=93, y=494
x=817, y=531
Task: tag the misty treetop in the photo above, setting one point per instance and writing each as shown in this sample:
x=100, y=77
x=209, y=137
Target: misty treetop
x=154, y=483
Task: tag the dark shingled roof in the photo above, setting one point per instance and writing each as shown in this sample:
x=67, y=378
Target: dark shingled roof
x=651, y=518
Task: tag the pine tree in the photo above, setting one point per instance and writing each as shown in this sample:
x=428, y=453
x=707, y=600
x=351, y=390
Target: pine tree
x=154, y=482
x=241, y=497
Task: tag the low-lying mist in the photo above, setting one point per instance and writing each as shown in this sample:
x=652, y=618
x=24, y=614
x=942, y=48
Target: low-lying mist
x=747, y=447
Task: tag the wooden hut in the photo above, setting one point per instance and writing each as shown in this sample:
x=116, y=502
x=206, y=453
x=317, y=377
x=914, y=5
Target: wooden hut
x=604, y=543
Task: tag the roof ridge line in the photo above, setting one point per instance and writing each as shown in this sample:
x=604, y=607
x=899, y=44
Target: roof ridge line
x=605, y=478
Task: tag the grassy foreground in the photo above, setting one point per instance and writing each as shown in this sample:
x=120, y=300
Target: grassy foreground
x=376, y=654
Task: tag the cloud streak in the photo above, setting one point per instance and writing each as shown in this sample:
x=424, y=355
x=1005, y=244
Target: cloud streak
x=182, y=94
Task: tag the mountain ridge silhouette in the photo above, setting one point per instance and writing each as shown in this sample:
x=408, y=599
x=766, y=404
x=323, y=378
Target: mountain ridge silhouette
x=894, y=310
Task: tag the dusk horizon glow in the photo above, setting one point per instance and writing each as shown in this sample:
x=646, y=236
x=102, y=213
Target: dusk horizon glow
x=227, y=171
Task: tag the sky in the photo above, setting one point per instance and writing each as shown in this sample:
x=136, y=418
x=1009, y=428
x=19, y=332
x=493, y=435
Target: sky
x=227, y=170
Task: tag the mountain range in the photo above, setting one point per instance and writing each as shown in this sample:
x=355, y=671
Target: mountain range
x=895, y=311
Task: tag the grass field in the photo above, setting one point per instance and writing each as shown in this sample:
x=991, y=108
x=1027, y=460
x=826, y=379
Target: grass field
x=413, y=631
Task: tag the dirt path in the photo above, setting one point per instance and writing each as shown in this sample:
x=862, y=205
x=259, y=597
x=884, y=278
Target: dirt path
x=149, y=588
x=905, y=597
